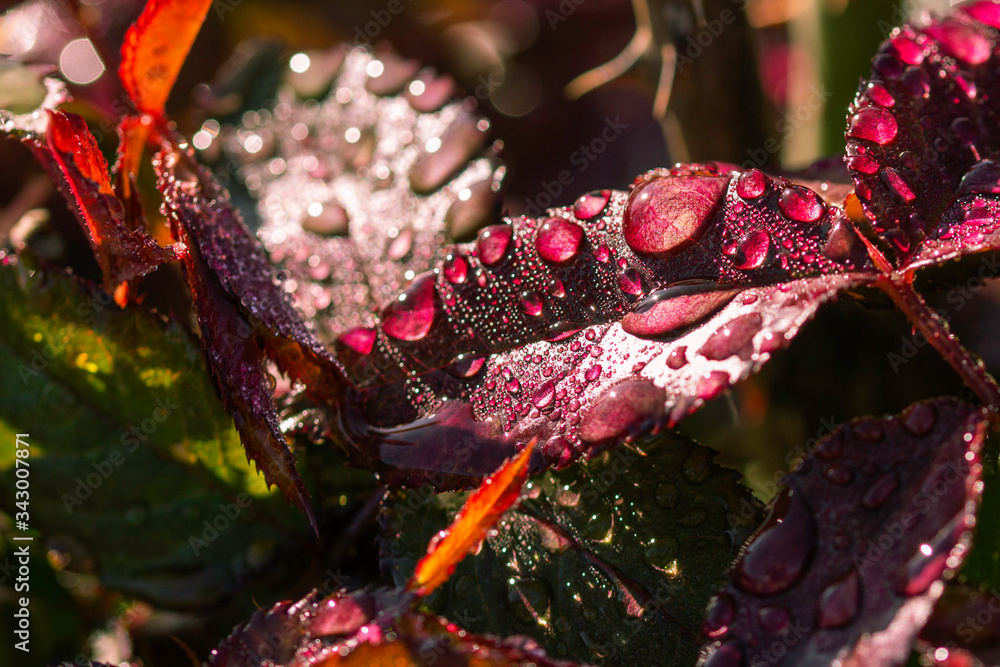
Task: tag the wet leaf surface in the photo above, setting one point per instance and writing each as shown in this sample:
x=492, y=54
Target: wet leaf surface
x=608, y=561
x=851, y=558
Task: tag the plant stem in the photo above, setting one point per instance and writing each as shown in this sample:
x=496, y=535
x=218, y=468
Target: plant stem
x=969, y=367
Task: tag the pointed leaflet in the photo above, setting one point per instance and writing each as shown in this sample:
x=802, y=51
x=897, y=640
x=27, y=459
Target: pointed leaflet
x=362, y=629
x=922, y=140
x=618, y=315
x=362, y=187
x=155, y=47
x=607, y=561
x=244, y=315
x=483, y=508
x=847, y=566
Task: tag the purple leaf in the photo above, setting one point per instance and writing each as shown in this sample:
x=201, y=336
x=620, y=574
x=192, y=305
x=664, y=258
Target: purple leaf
x=244, y=314
x=921, y=138
x=607, y=319
x=849, y=563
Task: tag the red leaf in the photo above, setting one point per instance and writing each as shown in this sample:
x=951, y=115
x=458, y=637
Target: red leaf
x=155, y=47
x=852, y=555
x=72, y=157
x=482, y=510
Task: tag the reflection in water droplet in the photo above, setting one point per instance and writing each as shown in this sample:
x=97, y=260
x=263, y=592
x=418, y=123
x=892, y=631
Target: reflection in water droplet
x=544, y=395
x=801, y=204
x=455, y=268
x=558, y=240
x=873, y=124
x=492, y=242
x=666, y=214
x=752, y=249
x=591, y=204
x=735, y=338
x=671, y=308
x=662, y=553
x=751, y=184
x=411, y=316
x=531, y=302
x=628, y=408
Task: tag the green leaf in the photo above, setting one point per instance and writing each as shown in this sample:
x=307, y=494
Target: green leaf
x=611, y=560
x=131, y=453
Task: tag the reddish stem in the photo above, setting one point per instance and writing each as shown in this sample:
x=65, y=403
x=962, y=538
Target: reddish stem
x=970, y=368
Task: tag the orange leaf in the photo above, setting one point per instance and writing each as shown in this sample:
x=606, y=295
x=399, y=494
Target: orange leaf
x=155, y=48
x=481, y=511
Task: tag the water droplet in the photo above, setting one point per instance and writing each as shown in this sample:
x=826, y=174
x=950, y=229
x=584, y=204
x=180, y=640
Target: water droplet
x=455, y=268
x=558, y=240
x=466, y=366
x=662, y=553
x=909, y=51
x=864, y=164
x=734, y=338
x=599, y=527
x=558, y=451
x=458, y=144
x=752, y=183
x=330, y=219
x=666, y=495
x=678, y=358
x=665, y=215
x=880, y=491
x=630, y=282
x=358, y=339
x=399, y=247
x=779, y=554
x=591, y=204
x=873, y=124
x=961, y=41
x=869, y=430
x=838, y=474
x=711, y=385
x=986, y=12
x=801, y=204
x=931, y=560
x=919, y=418
x=892, y=178
x=492, y=242
x=752, y=249
x=698, y=466
x=916, y=82
x=411, y=316
x=773, y=620
x=839, y=603
x=513, y=386
x=544, y=395
x=879, y=95
x=592, y=373
x=531, y=302
x=671, y=308
x=628, y=408
x=602, y=254
x=528, y=599
x=721, y=610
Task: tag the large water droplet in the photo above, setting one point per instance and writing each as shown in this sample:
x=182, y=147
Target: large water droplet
x=492, y=242
x=931, y=560
x=666, y=214
x=873, y=124
x=916, y=82
x=678, y=358
x=466, y=366
x=630, y=282
x=880, y=491
x=986, y=12
x=558, y=240
x=773, y=620
x=879, y=95
x=734, y=338
x=727, y=654
x=712, y=384
x=411, y=316
x=721, y=611
x=839, y=603
x=751, y=184
x=892, y=178
x=909, y=51
x=780, y=553
x=801, y=204
x=752, y=249
x=662, y=554
x=919, y=419
x=455, y=268
x=591, y=204
x=599, y=527
x=528, y=599
x=360, y=340
x=666, y=495
x=982, y=178
x=961, y=41
x=669, y=309
x=626, y=409
x=543, y=396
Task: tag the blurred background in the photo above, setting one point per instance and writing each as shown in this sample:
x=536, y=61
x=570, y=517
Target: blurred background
x=765, y=82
